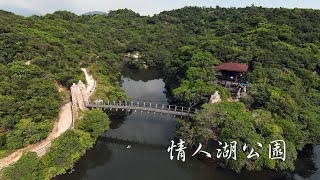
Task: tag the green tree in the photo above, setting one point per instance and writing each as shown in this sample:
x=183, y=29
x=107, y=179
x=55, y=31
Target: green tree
x=27, y=167
x=95, y=122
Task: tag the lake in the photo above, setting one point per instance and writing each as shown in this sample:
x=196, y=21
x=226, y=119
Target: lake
x=148, y=135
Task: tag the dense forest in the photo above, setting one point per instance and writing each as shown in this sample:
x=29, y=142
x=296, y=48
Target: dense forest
x=281, y=47
x=64, y=151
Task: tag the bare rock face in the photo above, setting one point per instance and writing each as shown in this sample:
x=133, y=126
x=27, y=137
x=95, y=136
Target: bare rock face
x=215, y=98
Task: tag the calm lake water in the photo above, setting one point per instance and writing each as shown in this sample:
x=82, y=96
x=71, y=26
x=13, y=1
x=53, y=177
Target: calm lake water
x=149, y=136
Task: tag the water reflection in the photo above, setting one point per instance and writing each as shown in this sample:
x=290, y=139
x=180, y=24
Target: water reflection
x=145, y=128
x=308, y=164
x=91, y=160
x=138, y=75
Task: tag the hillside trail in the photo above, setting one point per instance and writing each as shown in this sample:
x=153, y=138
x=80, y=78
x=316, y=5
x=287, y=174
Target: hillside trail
x=63, y=123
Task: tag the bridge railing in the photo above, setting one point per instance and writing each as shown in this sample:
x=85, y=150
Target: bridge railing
x=145, y=105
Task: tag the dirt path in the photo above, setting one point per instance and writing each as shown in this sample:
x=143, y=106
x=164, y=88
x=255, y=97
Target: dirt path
x=65, y=119
x=60, y=126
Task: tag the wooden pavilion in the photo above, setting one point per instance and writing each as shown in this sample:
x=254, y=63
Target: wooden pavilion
x=232, y=74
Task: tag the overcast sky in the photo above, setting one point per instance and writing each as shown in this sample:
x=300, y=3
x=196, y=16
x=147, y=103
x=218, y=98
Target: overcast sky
x=144, y=7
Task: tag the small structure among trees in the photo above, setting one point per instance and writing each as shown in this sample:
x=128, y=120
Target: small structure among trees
x=233, y=76
x=232, y=73
x=135, y=56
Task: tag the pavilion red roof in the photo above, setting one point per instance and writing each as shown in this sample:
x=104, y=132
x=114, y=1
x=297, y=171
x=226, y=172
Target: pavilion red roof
x=233, y=66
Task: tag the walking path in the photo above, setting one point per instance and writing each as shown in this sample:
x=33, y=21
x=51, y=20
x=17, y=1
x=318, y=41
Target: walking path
x=63, y=124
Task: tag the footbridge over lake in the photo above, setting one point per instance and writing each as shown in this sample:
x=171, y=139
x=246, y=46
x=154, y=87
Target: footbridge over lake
x=144, y=106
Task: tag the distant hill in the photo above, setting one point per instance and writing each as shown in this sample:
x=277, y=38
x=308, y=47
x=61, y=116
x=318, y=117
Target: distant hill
x=20, y=11
x=94, y=12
